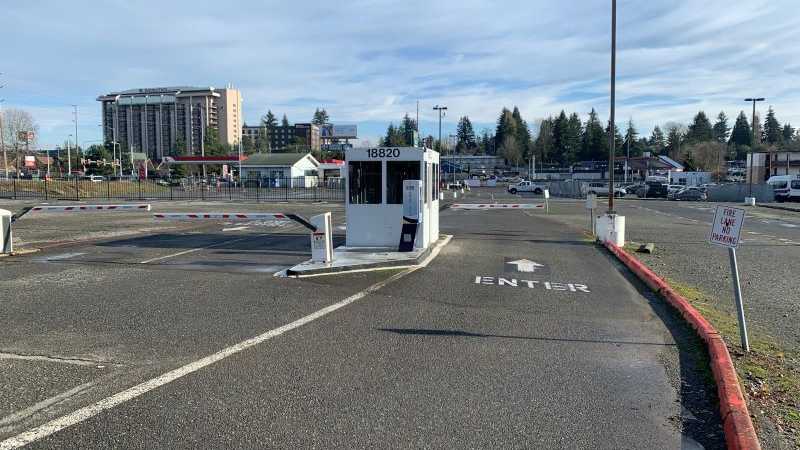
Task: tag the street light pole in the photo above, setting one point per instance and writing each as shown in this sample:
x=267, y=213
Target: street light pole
x=753, y=145
x=69, y=158
x=611, y=125
x=440, y=109
x=75, y=114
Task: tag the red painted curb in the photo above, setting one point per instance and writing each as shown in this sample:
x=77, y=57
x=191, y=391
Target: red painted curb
x=739, y=431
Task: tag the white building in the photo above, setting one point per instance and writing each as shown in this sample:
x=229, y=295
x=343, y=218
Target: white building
x=277, y=169
x=762, y=165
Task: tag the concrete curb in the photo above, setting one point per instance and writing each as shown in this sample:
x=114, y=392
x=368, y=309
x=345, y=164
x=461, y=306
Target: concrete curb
x=739, y=431
x=782, y=208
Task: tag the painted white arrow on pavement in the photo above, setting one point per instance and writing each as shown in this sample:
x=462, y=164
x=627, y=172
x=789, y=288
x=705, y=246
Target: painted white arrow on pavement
x=525, y=265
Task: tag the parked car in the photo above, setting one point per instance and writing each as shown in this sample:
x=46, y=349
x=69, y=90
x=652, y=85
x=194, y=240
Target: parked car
x=526, y=186
x=673, y=188
x=692, y=194
x=601, y=189
x=652, y=189
x=96, y=178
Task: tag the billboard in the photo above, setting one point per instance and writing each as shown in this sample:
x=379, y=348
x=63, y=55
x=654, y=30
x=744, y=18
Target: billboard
x=338, y=131
x=30, y=162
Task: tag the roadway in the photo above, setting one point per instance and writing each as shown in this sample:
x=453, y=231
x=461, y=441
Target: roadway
x=474, y=350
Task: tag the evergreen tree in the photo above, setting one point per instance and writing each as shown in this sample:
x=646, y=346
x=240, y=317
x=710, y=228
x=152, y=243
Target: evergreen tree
x=773, y=132
x=320, y=117
x=594, y=144
x=485, y=143
x=721, y=128
x=269, y=120
x=466, y=136
x=405, y=132
x=657, y=140
x=544, y=141
x=390, y=139
x=700, y=130
x=571, y=138
x=788, y=132
x=522, y=134
x=631, y=138
x=284, y=121
x=741, y=134
x=559, y=134
x=675, y=137
x=505, y=128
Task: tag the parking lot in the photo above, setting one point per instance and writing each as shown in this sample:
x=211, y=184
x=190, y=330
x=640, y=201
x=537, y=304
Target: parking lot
x=131, y=332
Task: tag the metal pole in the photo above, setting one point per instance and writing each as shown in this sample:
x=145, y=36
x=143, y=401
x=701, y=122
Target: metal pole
x=737, y=290
x=2, y=140
x=627, y=156
x=75, y=113
x=69, y=158
x=611, y=127
x=752, y=149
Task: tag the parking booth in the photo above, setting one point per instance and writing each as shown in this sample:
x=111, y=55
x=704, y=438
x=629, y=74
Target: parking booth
x=375, y=196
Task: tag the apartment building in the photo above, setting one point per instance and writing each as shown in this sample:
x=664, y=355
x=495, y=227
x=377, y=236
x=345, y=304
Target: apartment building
x=171, y=121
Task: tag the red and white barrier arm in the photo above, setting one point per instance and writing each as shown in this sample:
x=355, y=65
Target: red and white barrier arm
x=236, y=216
x=487, y=206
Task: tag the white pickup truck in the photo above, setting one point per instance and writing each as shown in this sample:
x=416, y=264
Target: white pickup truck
x=526, y=186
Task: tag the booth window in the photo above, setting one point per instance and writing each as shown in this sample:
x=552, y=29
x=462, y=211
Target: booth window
x=435, y=184
x=396, y=173
x=365, y=182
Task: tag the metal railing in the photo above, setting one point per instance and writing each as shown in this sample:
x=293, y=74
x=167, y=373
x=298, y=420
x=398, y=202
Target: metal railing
x=266, y=189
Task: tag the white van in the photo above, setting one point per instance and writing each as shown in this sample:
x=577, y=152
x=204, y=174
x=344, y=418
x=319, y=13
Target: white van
x=787, y=187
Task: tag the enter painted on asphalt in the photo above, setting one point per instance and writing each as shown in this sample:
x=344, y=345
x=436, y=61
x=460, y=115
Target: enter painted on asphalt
x=532, y=284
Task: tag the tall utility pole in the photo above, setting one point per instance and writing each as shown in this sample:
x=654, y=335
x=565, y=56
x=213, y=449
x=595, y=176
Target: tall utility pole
x=753, y=146
x=416, y=125
x=75, y=118
x=611, y=128
x=69, y=158
x=2, y=140
x=440, y=109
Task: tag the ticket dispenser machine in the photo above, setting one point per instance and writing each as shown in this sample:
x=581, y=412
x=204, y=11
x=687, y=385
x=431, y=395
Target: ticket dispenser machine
x=376, y=199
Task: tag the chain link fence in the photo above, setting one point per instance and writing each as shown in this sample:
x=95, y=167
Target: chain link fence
x=267, y=189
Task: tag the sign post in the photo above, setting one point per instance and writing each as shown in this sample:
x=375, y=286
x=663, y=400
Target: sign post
x=591, y=205
x=725, y=231
x=547, y=201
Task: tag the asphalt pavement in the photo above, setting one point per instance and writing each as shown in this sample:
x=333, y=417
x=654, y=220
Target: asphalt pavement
x=520, y=334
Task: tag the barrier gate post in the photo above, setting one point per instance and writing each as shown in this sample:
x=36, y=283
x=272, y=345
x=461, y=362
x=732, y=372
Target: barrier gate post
x=6, y=246
x=322, y=238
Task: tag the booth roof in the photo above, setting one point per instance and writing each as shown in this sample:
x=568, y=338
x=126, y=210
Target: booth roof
x=276, y=159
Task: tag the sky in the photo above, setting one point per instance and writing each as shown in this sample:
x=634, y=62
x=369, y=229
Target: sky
x=369, y=62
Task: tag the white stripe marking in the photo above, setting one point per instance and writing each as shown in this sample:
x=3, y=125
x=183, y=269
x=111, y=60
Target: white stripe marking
x=33, y=409
x=185, y=252
x=92, y=410
x=236, y=228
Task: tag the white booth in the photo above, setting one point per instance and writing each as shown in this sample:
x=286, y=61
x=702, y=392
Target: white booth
x=375, y=195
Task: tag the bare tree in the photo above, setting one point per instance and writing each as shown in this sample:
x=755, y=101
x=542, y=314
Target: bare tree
x=511, y=150
x=14, y=122
x=708, y=156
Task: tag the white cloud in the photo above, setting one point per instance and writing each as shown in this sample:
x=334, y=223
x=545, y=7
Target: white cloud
x=371, y=60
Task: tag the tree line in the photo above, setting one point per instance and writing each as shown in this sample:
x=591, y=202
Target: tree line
x=565, y=139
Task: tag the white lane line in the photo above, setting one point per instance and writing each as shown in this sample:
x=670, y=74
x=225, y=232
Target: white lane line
x=236, y=228
x=87, y=412
x=185, y=252
x=789, y=225
x=54, y=359
x=753, y=232
x=33, y=409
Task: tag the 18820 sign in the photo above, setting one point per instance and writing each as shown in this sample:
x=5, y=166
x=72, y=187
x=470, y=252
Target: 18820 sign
x=383, y=152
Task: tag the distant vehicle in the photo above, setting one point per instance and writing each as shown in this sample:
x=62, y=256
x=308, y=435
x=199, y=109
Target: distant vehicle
x=692, y=194
x=652, y=190
x=526, y=186
x=786, y=187
x=673, y=188
x=601, y=189
x=95, y=178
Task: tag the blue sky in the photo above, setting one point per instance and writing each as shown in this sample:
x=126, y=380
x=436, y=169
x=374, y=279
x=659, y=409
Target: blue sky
x=368, y=62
